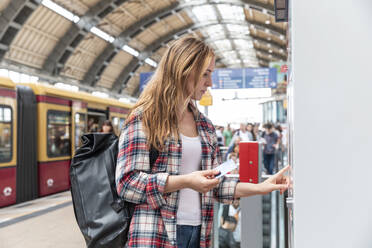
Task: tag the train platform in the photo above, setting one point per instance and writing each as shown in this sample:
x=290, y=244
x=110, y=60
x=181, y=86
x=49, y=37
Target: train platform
x=44, y=222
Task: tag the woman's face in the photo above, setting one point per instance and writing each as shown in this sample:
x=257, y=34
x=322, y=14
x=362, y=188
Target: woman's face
x=203, y=84
x=249, y=128
x=106, y=129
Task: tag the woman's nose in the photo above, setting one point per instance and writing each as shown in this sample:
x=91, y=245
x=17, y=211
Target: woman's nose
x=209, y=81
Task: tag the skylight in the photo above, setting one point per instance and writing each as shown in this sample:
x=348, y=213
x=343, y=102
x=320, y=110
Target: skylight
x=242, y=44
x=229, y=54
x=223, y=44
x=60, y=10
x=231, y=12
x=130, y=50
x=100, y=94
x=151, y=62
x=214, y=30
x=204, y=13
x=235, y=29
x=102, y=34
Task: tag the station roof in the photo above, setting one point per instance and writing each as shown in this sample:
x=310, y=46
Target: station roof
x=107, y=43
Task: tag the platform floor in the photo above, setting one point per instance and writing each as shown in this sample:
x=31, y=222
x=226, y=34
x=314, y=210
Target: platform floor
x=42, y=223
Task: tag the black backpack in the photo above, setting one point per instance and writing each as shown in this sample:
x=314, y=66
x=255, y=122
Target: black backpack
x=103, y=217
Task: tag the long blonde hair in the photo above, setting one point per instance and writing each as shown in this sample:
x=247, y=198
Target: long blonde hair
x=166, y=91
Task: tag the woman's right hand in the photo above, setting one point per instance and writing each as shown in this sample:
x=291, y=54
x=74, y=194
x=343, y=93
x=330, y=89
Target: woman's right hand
x=203, y=181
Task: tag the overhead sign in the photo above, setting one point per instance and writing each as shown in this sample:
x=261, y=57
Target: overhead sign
x=206, y=99
x=244, y=78
x=144, y=79
x=234, y=78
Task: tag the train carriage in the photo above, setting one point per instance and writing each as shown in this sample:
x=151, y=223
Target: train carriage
x=50, y=124
x=8, y=138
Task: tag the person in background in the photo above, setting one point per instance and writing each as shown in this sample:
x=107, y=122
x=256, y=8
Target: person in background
x=233, y=152
x=279, y=132
x=107, y=127
x=250, y=130
x=271, y=143
x=227, y=134
x=242, y=133
x=220, y=138
x=225, y=233
x=90, y=125
x=233, y=210
x=257, y=132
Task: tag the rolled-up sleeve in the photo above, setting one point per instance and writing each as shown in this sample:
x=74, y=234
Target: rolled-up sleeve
x=225, y=191
x=134, y=181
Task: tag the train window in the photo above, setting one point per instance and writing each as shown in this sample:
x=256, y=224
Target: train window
x=80, y=120
x=121, y=123
x=5, y=134
x=115, y=124
x=59, y=143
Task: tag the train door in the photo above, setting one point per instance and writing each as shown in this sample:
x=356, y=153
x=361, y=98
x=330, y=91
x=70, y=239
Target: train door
x=54, y=137
x=117, y=118
x=117, y=122
x=79, y=124
x=8, y=152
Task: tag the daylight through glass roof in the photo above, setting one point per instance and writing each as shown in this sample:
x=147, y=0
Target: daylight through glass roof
x=229, y=36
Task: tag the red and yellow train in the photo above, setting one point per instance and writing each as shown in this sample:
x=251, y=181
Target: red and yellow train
x=40, y=128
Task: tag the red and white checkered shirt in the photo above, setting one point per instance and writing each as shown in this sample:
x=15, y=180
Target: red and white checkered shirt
x=154, y=220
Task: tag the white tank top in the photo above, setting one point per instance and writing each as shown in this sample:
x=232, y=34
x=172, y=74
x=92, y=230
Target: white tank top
x=189, y=210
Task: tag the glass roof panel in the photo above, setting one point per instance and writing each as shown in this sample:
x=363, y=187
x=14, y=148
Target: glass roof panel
x=231, y=61
x=243, y=44
x=204, y=13
x=250, y=61
x=229, y=12
x=247, y=53
x=214, y=31
x=235, y=29
x=229, y=54
x=222, y=44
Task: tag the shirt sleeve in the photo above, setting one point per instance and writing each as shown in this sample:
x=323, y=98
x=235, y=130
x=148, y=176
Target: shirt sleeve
x=225, y=191
x=134, y=181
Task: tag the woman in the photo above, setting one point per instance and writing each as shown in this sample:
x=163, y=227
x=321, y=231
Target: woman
x=175, y=195
x=107, y=127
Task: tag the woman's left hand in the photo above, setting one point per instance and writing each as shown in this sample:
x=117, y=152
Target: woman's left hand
x=276, y=182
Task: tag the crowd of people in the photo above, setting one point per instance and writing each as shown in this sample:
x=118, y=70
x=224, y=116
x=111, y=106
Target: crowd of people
x=273, y=140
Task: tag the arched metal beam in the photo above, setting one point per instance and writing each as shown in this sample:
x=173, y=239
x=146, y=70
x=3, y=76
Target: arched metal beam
x=232, y=37
x=135, y=63
x=271, y=42
x=12, y=19
x=93, y=74
x=273, y=54
x=260, y=6
x=76, y=33
x=234, y=50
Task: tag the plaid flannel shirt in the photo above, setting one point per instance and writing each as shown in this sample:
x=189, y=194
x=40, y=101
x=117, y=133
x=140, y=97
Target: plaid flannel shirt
x=154, y=220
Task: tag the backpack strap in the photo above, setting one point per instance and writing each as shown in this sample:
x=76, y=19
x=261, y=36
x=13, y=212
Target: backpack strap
x=154, y=154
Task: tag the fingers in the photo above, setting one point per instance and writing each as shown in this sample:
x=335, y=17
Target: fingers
x=209, y=184
x=210, y=173
x=281, y=187
x=282, y=171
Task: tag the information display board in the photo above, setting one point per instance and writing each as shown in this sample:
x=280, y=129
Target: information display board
x=144, y=79
x=244, y=78
x=234, y=78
